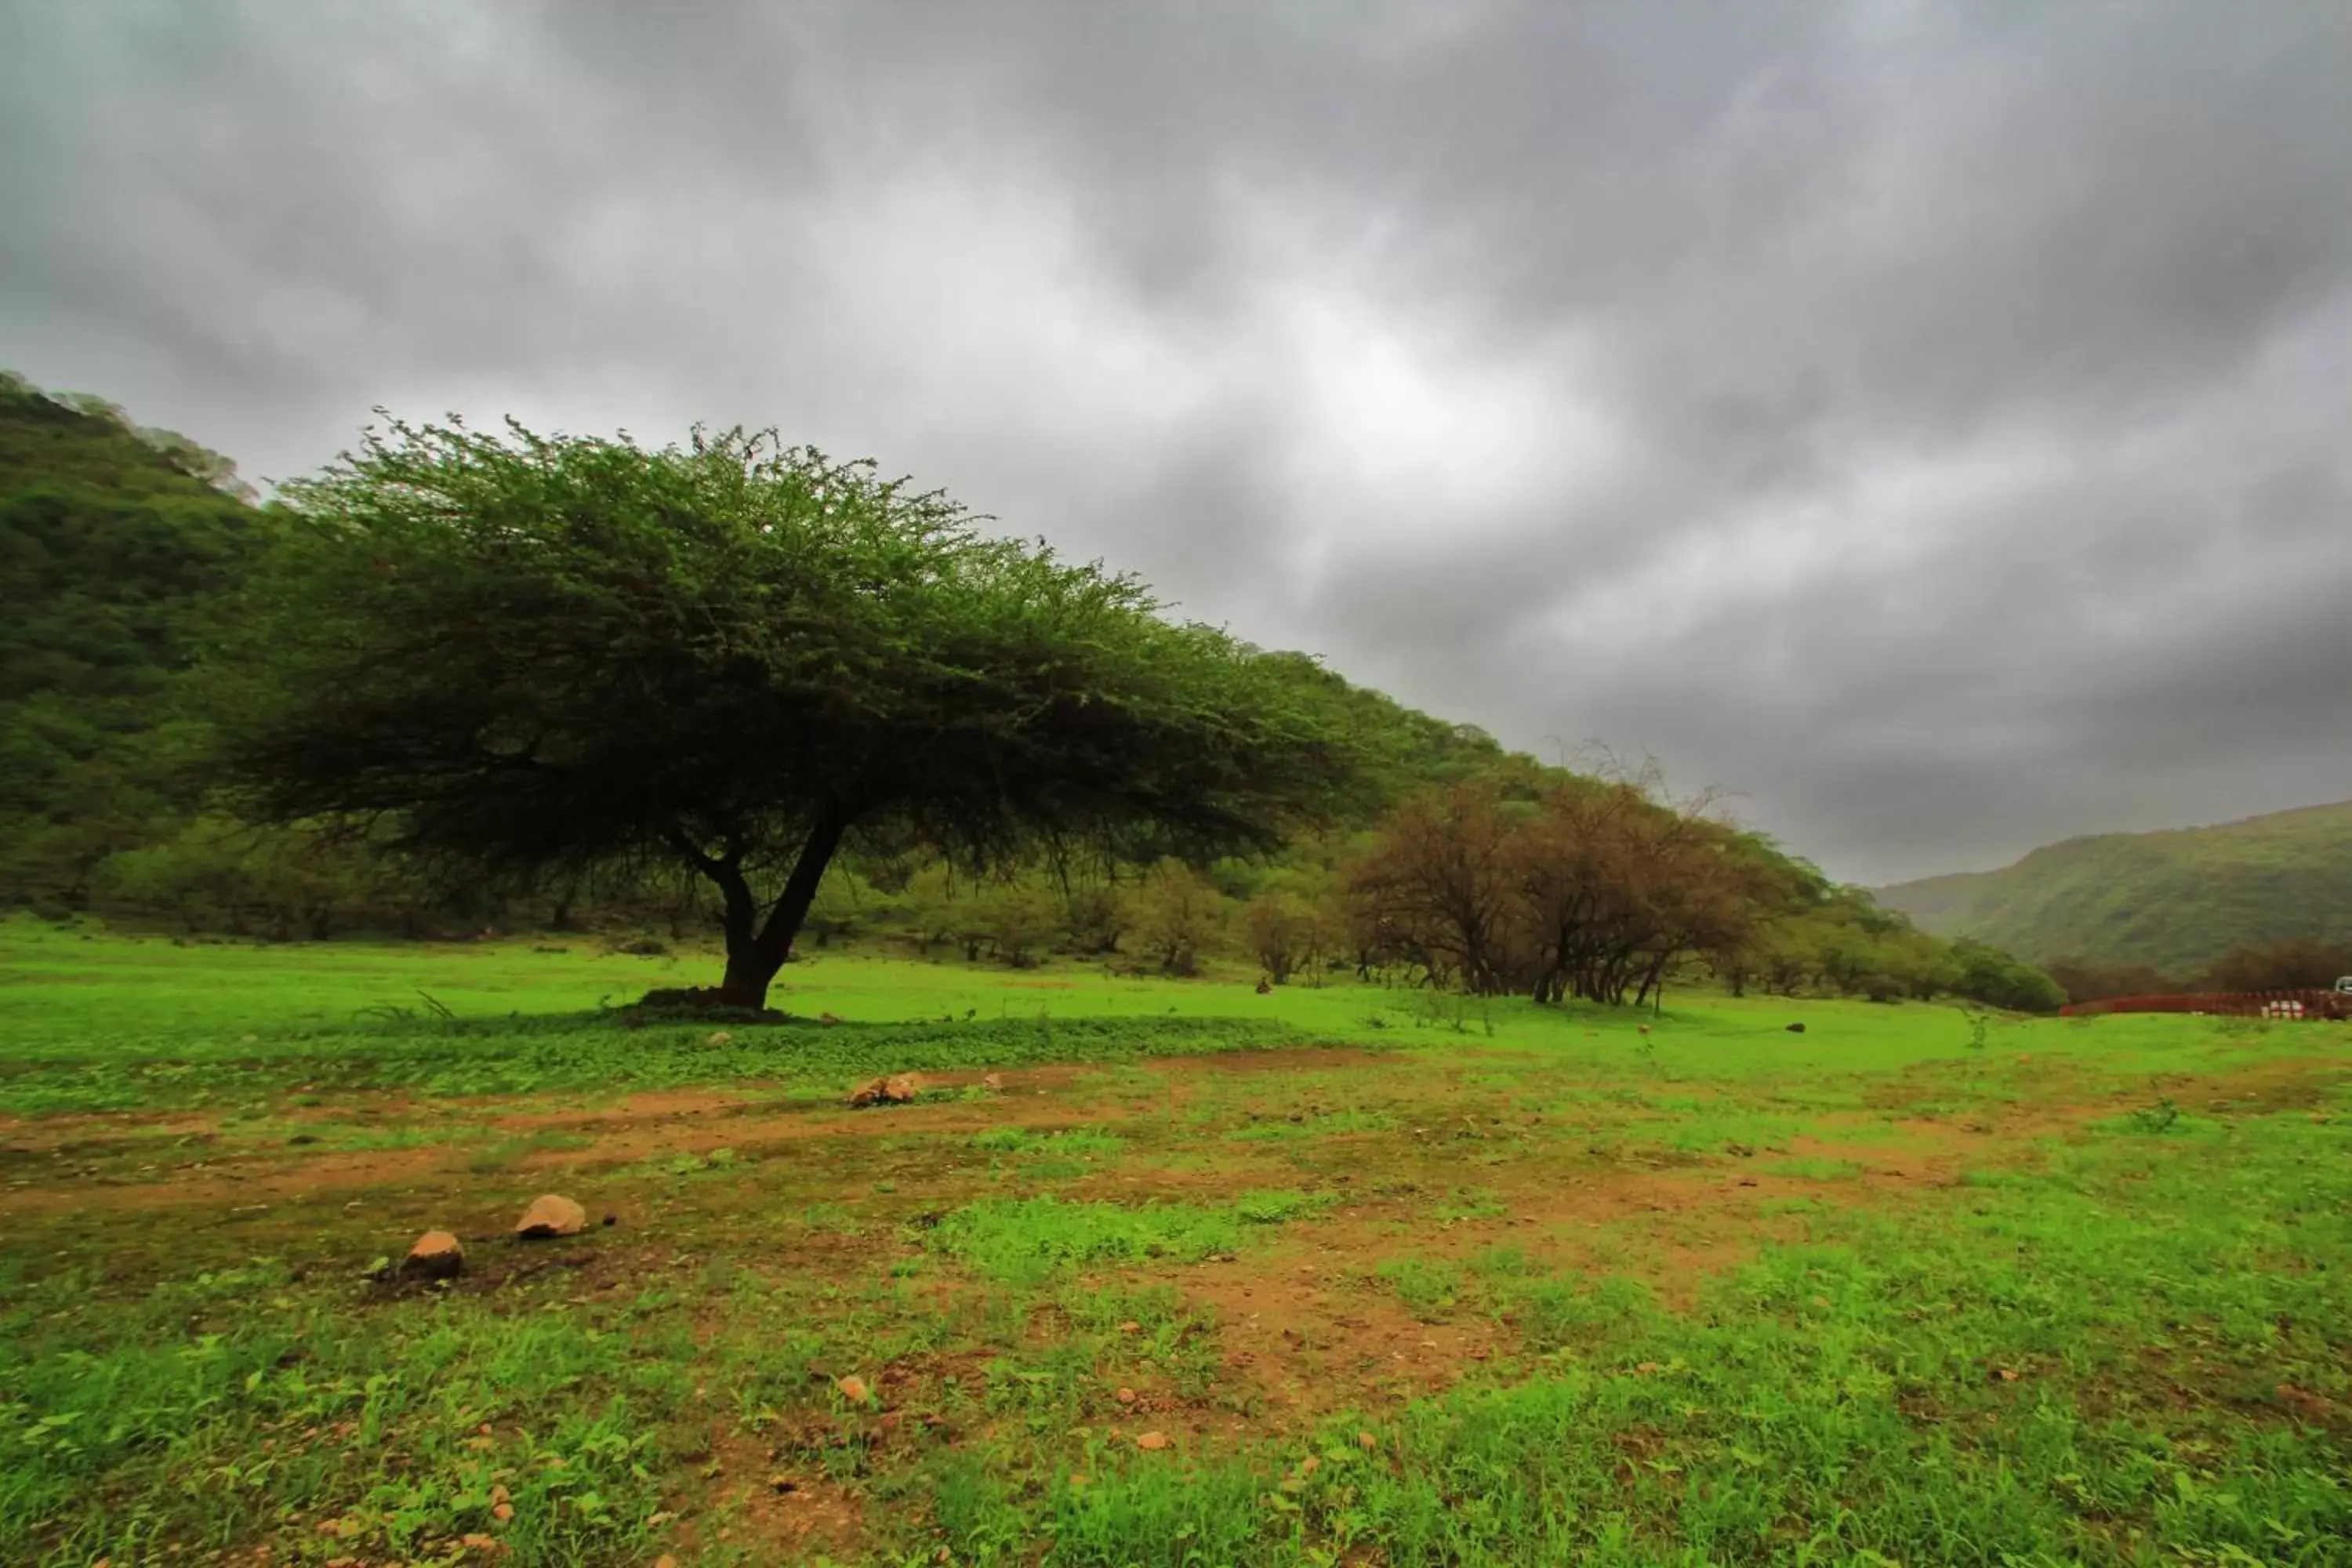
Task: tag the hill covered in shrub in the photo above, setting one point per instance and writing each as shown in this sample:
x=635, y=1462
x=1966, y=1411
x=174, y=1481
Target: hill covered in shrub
x=2177, y=902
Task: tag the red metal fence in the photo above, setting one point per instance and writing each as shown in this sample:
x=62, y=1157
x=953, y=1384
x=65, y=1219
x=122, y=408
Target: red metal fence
x=2321, y=1005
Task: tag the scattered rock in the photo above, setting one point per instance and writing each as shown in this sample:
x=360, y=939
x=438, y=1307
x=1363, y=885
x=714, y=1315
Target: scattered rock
x=992, y=1081
x=1130, y=1327
x=896, y=1089
x=551, y=1215
x=1126, y=1396
x=1154, y=1440
x=436, y=1256
x=2005, y=1373
x=853, y=1388
x=1796, y=1029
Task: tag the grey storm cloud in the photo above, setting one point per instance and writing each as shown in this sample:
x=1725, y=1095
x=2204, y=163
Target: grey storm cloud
x=1927, y=420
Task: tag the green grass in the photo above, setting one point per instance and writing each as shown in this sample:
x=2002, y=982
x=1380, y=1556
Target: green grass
x=1406, y=1294
x=1026, y=1240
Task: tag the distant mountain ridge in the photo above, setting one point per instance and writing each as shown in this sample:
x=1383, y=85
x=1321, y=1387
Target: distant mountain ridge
x=2175, y=899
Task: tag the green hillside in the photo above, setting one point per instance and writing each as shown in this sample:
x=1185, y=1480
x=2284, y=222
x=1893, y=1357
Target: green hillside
x=115, y=542
x=2174, y=901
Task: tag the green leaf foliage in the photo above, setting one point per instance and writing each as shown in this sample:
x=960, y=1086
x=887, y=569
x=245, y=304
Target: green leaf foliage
x=542, y=652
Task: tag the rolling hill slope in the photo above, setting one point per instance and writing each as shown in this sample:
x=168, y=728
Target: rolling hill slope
x=2175, y=900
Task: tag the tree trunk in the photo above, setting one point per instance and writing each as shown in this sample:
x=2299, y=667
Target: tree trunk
x=756, y=949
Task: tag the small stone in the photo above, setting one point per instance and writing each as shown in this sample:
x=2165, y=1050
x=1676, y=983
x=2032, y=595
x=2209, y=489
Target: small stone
x=1126, y=1396
x=1153, y=1441
x=1130, y=1327
x=896, y=1089
x=437, y=1255
x=992, y=1081
x=551, y=1215
x=853, y=1389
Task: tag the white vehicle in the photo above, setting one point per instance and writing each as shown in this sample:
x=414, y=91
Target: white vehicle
x=2344, y=985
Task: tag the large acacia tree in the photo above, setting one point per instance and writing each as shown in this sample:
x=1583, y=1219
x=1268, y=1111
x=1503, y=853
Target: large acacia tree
x=527, y=655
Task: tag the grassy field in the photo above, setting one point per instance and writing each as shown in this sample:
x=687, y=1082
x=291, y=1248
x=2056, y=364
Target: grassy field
x=1152, y=1273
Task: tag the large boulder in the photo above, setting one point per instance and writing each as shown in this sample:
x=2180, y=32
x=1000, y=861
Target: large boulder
x=551, y=1215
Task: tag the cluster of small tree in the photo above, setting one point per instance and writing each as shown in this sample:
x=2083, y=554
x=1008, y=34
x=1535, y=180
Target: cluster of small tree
x=1589, y=888
x=1606, y=891
x=2301, y=964
x=2297, y=965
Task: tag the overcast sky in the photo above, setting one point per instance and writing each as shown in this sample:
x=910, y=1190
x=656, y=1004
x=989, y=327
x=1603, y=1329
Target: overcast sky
x=1932, y=422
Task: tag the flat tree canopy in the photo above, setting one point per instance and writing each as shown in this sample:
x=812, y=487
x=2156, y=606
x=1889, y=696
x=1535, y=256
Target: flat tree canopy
x=531, y=654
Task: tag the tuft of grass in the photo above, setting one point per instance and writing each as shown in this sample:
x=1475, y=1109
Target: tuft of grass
x=1069, y=1141
x=508, y=1154
x=1430, y=1287
x=1027, y=1240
